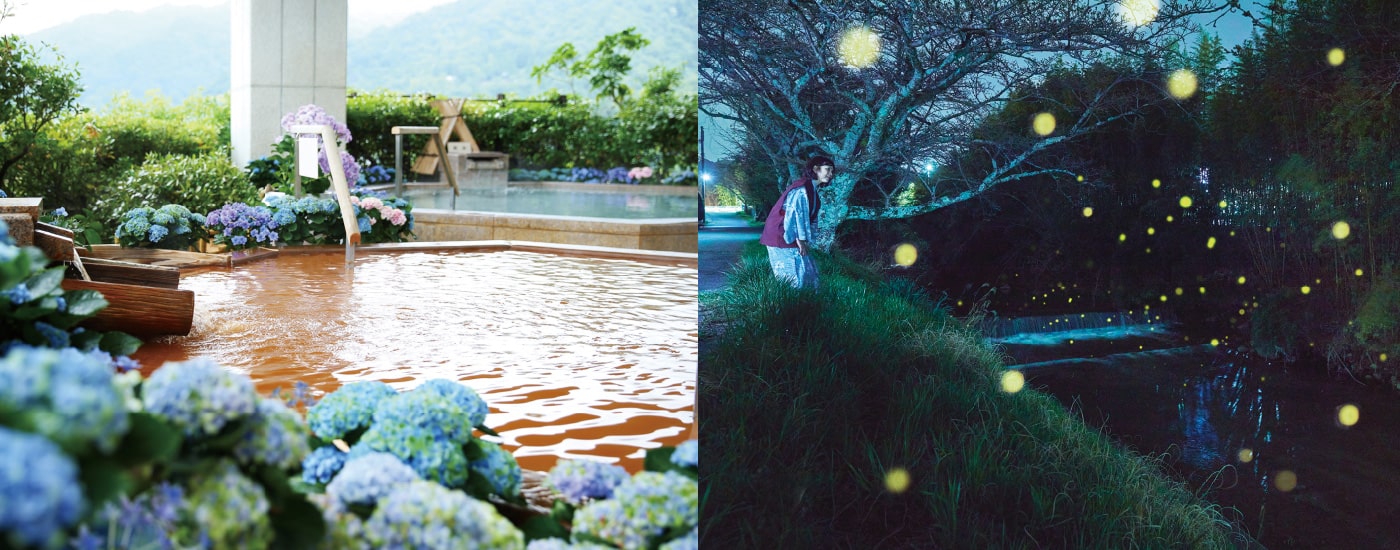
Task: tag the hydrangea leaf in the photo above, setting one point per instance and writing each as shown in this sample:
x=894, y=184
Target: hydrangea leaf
x=104, y=480
x=542, y=527
x=149, y=439
x=298, y=523
x=46, y=281
x=85, y=302
x=119, y=343
x=659, y=460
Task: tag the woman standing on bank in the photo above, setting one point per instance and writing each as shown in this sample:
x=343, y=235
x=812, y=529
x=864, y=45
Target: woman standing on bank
x=788, y=230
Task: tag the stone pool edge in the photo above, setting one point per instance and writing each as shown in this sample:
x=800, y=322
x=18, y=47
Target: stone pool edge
x=686, y=259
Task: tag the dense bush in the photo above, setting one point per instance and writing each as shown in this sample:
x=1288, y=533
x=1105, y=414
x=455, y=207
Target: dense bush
x=201, y=183
x=74, y=160
x=656, y=129
x=372, y=115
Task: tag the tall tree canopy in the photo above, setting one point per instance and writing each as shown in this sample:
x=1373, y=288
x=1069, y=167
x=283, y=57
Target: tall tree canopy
x=889, y=86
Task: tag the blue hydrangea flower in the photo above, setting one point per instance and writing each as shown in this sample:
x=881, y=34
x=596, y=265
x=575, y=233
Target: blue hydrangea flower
x=39, y=491
x=65, y=395
x=162, y=217
x=433, y=458
x=430, y=410
x=347, y=409
x=156, y=233
x=579, y=480
x=18, y=295
x=561, y=544
x=499, y=468
x=641, y=509
x=322, y=464
x=277, y=438
x=239, y=240
x=56, y=337
x=60, y=212
x=470, y=402
x=687, y=454
x=425, y=515
x=199, y=396
x=226, y=508
x=367, y=478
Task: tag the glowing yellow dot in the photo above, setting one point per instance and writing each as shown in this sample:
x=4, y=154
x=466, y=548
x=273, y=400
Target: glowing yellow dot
x=1383, y=357
x=1151, y=231
x=1232, y=233
x=1223, y=204
x=1178, y=291
x=1088, y=211
x=1210, y=243
x=1156, y=183
x=1182, y=84
x=1137, y=12
x=1286, y=480
x=1043, y=124
x=1186, y=202
x=1240, y=280
x=1348, y=414
x=1164, y=297
x=1170, y=219
x=1147, y=307
x=1241, y=312
x=1122, y=237
x=1246, y=455
x=897, y=480
x=859, y=47
x=1341, y=230
x=905, y=254
x=1012, y=380
x=1359, y=272
x=1080, y=178
x=1336, y=56
x=1214, y=342
x=1307, y=289
x=1149, y=250
x=1203, y=290
x=960, y=303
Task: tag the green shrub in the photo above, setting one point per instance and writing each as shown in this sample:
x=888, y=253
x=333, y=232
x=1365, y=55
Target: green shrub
x=202, y=183
x=371, y=116
x=77, y=158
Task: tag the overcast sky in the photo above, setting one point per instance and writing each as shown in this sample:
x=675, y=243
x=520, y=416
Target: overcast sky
x=31, y=16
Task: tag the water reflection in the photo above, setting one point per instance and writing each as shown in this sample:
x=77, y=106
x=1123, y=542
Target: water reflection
x=1200, y=407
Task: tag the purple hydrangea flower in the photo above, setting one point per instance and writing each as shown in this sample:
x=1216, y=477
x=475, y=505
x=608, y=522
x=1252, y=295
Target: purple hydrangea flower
x=367, y=478
x=277, y=438
x=199, y=396
x=422, y=514
x=580, y=480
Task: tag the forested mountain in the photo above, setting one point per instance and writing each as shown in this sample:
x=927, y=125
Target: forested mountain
x=470, y=48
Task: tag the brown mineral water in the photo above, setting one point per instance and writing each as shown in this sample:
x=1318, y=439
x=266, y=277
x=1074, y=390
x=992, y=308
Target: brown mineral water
x=577, y=357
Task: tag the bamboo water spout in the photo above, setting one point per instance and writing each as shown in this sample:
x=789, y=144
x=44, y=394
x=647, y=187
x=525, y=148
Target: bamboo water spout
x=342, y=188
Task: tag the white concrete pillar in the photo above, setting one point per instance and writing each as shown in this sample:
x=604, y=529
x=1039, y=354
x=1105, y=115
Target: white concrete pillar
x=285, y=54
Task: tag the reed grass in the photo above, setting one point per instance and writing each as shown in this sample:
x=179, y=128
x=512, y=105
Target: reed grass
x=811, y=398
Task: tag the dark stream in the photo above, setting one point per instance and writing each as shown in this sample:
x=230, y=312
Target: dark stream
x=1234, y=427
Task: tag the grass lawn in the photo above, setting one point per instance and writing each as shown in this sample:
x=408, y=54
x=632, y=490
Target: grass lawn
x=813, y=402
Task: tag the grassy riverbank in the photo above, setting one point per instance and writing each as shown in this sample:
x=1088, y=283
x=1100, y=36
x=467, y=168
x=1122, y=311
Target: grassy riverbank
x=810, y=400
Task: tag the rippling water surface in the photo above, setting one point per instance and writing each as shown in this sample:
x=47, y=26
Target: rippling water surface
x=577, y=357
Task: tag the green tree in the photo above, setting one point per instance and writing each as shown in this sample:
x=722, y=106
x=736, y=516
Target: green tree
x=33, y=95
x=605, y=67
